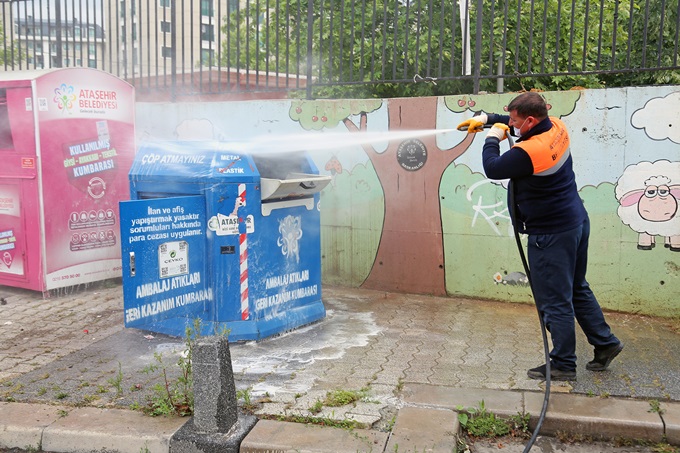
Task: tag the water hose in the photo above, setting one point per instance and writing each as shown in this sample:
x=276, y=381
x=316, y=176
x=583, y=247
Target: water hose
x=544, y=334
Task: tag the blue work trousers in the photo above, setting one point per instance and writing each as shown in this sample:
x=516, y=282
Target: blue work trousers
x=558, y=265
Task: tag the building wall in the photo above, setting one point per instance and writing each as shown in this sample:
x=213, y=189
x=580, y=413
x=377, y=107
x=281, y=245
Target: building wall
x=129, y=38
x=143, y=31
x=409, y=208
x=34, y=30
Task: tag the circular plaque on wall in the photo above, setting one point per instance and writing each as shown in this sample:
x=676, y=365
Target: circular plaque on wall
x=412, y=154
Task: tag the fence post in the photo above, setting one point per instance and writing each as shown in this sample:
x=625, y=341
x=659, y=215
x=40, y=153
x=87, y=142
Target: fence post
x=310, y=47
x=500, y=71
x=58, y=40
x=478, y=47
x=173, y=43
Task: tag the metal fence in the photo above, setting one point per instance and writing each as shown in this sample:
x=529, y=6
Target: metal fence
x=322, y=48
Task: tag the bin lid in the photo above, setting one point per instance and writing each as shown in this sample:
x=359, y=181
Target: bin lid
x=294, y=185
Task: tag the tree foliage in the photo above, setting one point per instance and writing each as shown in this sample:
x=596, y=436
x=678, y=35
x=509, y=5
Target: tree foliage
x=388, y=48
x=10, y=51
x=592, y=43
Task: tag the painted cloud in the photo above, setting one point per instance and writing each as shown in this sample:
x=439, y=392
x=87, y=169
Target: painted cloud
x=666, y=108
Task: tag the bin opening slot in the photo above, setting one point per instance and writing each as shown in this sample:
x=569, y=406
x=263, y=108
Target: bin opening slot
x=287, y=176
x=278, y=165
x=294, y=185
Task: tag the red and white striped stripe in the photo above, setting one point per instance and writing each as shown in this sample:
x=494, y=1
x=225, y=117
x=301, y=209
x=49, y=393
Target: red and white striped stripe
x=243, y=261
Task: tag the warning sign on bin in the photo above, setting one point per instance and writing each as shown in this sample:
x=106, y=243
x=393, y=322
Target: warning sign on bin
x=164, y=279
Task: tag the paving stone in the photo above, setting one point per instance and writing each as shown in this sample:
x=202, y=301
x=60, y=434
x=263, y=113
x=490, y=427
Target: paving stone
x=397, y=342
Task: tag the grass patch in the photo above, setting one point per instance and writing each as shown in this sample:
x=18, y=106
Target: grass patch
x=479, y=422
x=338, y=398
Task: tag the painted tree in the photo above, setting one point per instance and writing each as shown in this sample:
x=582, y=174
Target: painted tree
x=410, y=255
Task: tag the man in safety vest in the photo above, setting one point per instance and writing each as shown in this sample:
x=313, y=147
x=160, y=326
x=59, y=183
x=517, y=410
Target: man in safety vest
x=547, y=208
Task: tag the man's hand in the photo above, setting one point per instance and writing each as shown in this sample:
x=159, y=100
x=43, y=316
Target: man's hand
x=499, y=131
x=474, y=124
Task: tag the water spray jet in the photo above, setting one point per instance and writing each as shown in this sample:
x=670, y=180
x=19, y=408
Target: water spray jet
x=325, y=141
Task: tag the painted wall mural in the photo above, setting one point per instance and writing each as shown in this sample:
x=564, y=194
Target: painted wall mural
x=409, y=172
x=410, y=209
x=648, y=194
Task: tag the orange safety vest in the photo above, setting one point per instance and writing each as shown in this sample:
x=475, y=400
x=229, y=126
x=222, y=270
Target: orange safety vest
x=548, y=151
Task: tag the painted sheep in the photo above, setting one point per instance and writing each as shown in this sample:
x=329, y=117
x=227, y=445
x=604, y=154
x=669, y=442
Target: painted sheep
x=649, y=194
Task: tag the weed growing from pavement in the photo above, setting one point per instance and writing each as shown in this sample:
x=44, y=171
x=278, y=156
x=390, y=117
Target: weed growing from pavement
x=316, y=407
x=176, y=395
x=135, y=406
x=33, y=449
x=390, y=425
x=61, y=395
x=400, y=385
x=338, y=398
x=655, y=407
x=117, y=381
x=571, y=438
x=8, y=395
x=347, y=423
x=479, y=422
x=89, y=399
x=246, y=396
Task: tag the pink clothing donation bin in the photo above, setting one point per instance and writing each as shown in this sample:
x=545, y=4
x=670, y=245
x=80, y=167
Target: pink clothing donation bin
x=67, y=141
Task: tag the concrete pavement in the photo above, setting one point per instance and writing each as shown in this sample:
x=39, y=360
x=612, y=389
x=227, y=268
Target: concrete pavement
x=70, y=374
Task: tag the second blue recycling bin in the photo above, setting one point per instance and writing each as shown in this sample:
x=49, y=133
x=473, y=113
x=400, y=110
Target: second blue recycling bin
x=227, y=238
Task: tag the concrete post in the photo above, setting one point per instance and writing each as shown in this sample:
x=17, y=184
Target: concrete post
x=216, y=426
x=214, y=389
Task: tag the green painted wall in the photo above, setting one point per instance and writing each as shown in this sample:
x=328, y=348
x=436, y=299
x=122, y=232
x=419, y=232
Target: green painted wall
x=612, y=132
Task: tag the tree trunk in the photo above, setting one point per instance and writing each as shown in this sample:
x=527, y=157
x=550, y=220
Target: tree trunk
x=410, y=256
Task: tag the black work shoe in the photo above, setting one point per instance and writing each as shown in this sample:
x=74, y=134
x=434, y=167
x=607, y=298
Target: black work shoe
x=603, y=357
x=555, y=374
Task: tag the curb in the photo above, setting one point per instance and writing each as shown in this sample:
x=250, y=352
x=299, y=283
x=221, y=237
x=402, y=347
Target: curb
x=67, y=429
x=428, y=420
x=593, y=416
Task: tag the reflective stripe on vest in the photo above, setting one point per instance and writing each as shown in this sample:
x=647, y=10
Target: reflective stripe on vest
x=548, y=151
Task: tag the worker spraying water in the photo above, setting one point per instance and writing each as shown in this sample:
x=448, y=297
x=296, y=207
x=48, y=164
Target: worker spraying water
x=544, y=204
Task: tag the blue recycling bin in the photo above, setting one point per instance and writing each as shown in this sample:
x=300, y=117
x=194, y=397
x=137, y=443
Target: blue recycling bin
x=227, y=238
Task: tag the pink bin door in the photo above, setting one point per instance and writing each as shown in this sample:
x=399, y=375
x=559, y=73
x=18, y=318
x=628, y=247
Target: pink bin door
x=19, y=207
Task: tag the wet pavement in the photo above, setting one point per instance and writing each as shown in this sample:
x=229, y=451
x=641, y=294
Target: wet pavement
x=71, y=349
